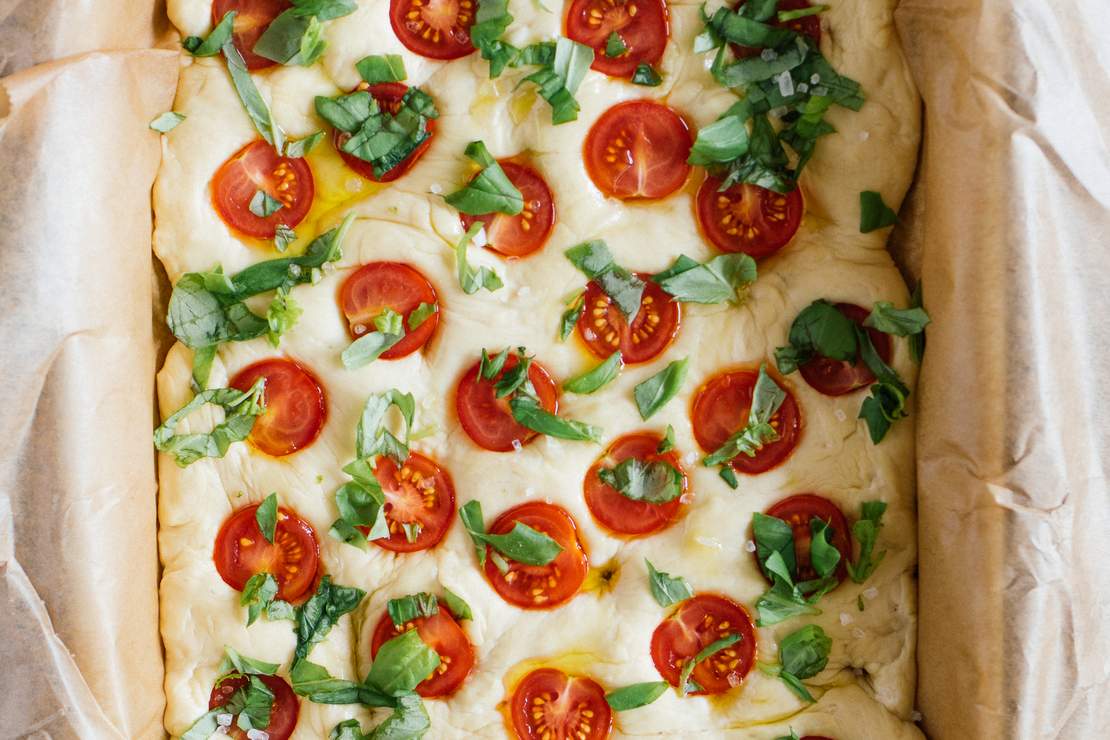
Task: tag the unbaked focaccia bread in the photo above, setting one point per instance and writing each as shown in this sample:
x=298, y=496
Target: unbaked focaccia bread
x=533, y=397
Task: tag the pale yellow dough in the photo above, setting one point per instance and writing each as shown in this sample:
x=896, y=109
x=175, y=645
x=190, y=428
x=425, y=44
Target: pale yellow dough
x=867, y=690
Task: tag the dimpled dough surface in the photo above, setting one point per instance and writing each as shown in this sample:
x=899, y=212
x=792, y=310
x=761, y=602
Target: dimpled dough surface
x=866, y=691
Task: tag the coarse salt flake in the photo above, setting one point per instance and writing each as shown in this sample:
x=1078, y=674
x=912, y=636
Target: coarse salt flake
x=864, y=135
x=589, y=335
x=845, y=619
x=253, y=734
x=224, y=720
x=785, y=83
x=749, y=546
x=814, y=78
x=436, y=188
x=768, y=55
x=858, y=633
x=529, y=491
x=871, y=594
x=690, y=458
x=840, y=415
x=517, y=446
x=803, y=88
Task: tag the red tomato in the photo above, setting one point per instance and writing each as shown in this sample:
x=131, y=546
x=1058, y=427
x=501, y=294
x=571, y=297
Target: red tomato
x=258, y=167
x=388, y=95
x=540, y=586
x=638, y=150
x=604, y=329
x=838, y=377
x=526, y=232
x=283, y=714
x=419, y=493
x=437, y=29
x=640, y=24
x=295, y=406
x=696, y=624
x=619, y=513
x=488, y=420
x=252, y=18
x=721, y=409
x=809, y=25
x=550, y=705
x=747, y=218
x=293, y=558
x=444, y=635
x=380, y=285
x=798, y=511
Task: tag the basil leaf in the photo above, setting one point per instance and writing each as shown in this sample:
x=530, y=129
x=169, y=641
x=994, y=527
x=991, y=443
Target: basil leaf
x=167, y=122
x=219, y=36
x=635, y=696
x=559, y=80
x=866, y=533
x=471, y=516
x=785, y=16
x=282, y=39
x=381, y=68
x=413, y=606
x=514, y=378
x=721, y=141
x=266, y=515
x=258, y=593
x=255, y=106
x=252, y=705
x=901, y=322
x=319, y=614
x=369, y=347
x=805, y=653
x=325, y=10
x=571, y=316
x=347, y=112
x=597, y=377
x=645, y=75
x=205, y=726
x=360, y=504
x=240, y=410
x=523, y=544
x=420, y=314
x=456, y=605
x=281, y=315
x=793, y=735
x=490, y=22
x=592, y=258
x=408, y=721
x=263, y=204
x=887, y=402
x=773, y=535
x=653, y=393
x=490, y=368
x=655, y=482
x=820, y=329
x=873, y=213
x=737, y=29
x=723, y=278
x=704, y=654
x=667, y=443
x=314, y=682
x=665, y=588
x=372, y=438
x=625, y=289
x=471, y=280
x=823, y=556
x=297, y=148
x=401, y=664
x=614, y=45
x=728, y=475
x=528, y=413
x=780, y=603
x=767, y=397
x=490, y=191
x=234, y=662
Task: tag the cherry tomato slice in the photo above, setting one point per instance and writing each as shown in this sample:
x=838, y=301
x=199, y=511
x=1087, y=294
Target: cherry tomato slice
x=698, y=622
x=293, y=558
x=389, y=96
x=257, y=167
x=809, y=25
x=376, y=286
x=838, y=377
x=798, y=511
x=283, y=714
x=604, y=330
x=640, y=24
x=638, y=150
x=721, y=408
x=550, y=705
x=436, y=29
x=526, y=232
x=540, y=586
x=295, y=406
x=617, y=512
x=252, y=18
x=441, y=633
x=419, y=498
x=747, y=218
x=488, y=420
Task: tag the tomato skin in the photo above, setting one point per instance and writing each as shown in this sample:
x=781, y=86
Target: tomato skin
x=377, y=286
x=444, y=635
x=258, y=167
x=837, y=377
x=637, y=150
x=535, y=707
x=560, y=579
x=433, y=507
x=721, y=408
x=747, y=218
x=388, y=95
x=283, y=715
x=293, y=558
x=527, y=232
x=809, y=25
x=447, y=23
x=797, y=511
x=488, y=420
x=694, y=625
x=603, y=328
x=252, y=18
x=620, y=514
x=641, y=24
x=296, y=407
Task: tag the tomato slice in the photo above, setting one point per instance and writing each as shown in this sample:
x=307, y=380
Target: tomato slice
x=698, y=622
x=747, y=218
x=488, y=420
x=252, y=18
x=809, y=25
x=419, y=494
x=257, y=167
x=295, y=406
x=441, y=633
x=437, y=29
x=293, y=558
x=550, y=705
x=798, y=511
x=617, y=512
x=604, y=330
x=638, y=150
x=640, y=24
x=540, y=586
x=721, y=409
x=839, y=377
x=388, y=95
x=377, y=286
x=526, y=232
x=283, y=714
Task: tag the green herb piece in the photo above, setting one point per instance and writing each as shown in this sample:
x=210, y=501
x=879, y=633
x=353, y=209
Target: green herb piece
x=803, y=654
x=470, y=279
x=420, y=314
x=281, y=315
x=266, y=516
x=317, y=685
x=258, y=594
x=211, y=46
x=787, y=598
x=595, y=261
x=264, y=205
x=167, y=122
x=321, y=612
x=457, y=605
x=559, y=80
x=723, y=278
x=656, y=482
x=635, y=696
x=241, y=408
x=489, y=368
x=736, y=28
x=297, y=148
x=490, y=23
x=235, y=662
x=378, y=68
x=528, y=413
x=283, y=237
x=665, y=588
x=667, y=443
x=792, y=736
x=252, y=705
x=401, y=664
x=471, y=516
x=823, y=555
x=887, y=402
x=866, y=533
x=409, y=720
x=252, y=100
x=767, y=397
x=597, y=377
x=490, y=191
x=819, y=330
x=361, y=503
x=373, y=438
x=645, y=75
x=704, y=654
x=785, y=16
x=522, y=544
x=370, y=346
x=296, y=36
x=900, y=322
x=571, y=316
x=654, y=393
x=720, y=142
x=728, y=475
x=873, y=213
x=615, y=46
x=413, y=606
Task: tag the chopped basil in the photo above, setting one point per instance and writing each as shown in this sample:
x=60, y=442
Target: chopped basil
x=297, y=148
x=409, y=720
x=723, y=278
x=767, y=397
x=235, y=662
x=793, y=735
x=283, y=237
x=490, y=367
x=900, y=322
x=665, y=588
x=528, y=413
x=263, y=204
x=378, y=68
x=241, y=408
x=413, y=606
x=258, y=595
x=571, y=316
x=470, y=279
x=773, y=535
x=656, y=482
x=490, y=191
x=735, y=28
x=317, y=685
x=281, y=315
x=788, y=598
x=866, y=532
x=211, y=46
x=704, y=654
x=321, y=612
x=457, y=605
x=471, y=516
x=595, y=261
x=266, y=515
x=167, y=122
x=873, y=213
x=819, y=330
x=420, y=314
x=646, y=75
x=370, y=346
x=728, y=475
x=802, y=654
x=522, y=544
x=887, y=402
x=614, y=45
x=635, y=696
x=559, y=80
x=402, y=663
x=251, y=704
x=597, y=377
x=667, y=443
x=515, y=378
x=785, y=16
x=361, y=503
x=490, y=22
x=653, y=393
x=296, y=36
x=823, y=555
x=720, y=142
x=373, y=438
x=252, y=100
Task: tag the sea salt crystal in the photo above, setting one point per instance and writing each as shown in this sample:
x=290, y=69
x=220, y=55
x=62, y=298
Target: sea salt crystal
x=786, y=84
x=253, y=734
x=840, y=415
x=858, y=633
x=709, y=542
x=768, y=55
x=845, y=618
x=820, y=90
x=359, y=329
x=803, y=88
x=295, y=270
x=529, y=491
x=224, y=720
x=871, y=594
x=690, y=458
x=436, y=188
x=864, y=135
x=517, y=446
x=589, y=335
x=814, y=78
x=749, y=546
